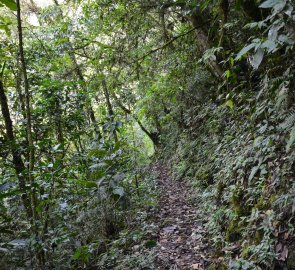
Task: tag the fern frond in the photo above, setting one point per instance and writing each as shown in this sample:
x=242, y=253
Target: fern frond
x=289, y=122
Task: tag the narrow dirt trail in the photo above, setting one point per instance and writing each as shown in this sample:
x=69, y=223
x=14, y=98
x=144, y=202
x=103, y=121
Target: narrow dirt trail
x=180, y=243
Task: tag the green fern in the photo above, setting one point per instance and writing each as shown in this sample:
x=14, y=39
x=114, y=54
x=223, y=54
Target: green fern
x=289, y=124
x=291, y=139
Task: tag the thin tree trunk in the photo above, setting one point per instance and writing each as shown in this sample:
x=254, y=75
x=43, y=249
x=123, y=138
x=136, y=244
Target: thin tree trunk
x=27, y=94
x=203, y=42
x=40, y=253
x=16, y=156
x=18, y=76
x=109, y=104
x=163, y=25
x=107, y=97
x=58, y=123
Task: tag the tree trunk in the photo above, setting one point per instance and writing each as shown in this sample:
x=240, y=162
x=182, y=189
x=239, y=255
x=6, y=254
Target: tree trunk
x=199, y=23
x=107, y=97
x=40, y=253
x=109, y=105
x=27, y=95
x=16, y=156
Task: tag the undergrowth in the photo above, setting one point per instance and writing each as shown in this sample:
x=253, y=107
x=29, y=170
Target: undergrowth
x=240, y=164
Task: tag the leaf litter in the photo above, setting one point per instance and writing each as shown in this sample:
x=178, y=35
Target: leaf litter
x=181, y=243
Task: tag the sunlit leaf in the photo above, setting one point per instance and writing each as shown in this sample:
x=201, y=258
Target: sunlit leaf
x=271, y=3
x=9, y=3
x=257, y=58
x=245, y=50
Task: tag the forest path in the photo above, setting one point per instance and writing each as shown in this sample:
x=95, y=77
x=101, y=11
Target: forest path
x=180, y=244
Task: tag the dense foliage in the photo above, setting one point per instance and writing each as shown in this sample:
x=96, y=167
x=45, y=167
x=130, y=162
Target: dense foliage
x=89, y=89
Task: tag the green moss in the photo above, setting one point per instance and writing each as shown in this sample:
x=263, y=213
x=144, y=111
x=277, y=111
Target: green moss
x=245, y=252
x=263, y=203
x=273, y=198
x=223, y=267
x=260, y=204
x=233, y=232
x=236, y=200
x=258, y=236
x=212, y=267
x=203, y=176
x=219, y=190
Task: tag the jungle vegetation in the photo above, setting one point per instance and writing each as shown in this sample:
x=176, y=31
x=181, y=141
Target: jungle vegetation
x=92, y=91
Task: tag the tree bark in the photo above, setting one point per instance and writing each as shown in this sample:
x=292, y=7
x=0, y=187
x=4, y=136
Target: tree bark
x=16, y=156
x=109, y=104
x=107, y=97
x=203, y=42
x=27, y=94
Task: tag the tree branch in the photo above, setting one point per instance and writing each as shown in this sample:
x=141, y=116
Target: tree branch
x=152, y=135
x=170, y=41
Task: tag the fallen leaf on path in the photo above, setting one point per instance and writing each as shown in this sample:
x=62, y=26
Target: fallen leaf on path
x=169, y=229
x=197, y=266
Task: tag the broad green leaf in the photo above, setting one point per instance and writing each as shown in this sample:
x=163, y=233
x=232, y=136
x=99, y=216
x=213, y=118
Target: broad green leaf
x=84, y=183
x=9, y=3
x=257, y=58
x=56, y=147
x=5, y=28
x=273, y=31
x=227, y=73
x=81, y=253
x=253, y=172
x=269, y=45
x=9, y=194
x=18, y=242
x=150, y=243
x=245, y=50
x=97, y=153
x=77, y=254
x=270, y=3
x=230, y=104
x=97, y=165
x=119, y=191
